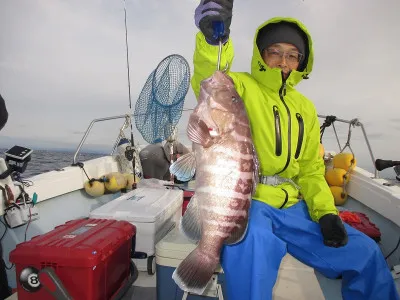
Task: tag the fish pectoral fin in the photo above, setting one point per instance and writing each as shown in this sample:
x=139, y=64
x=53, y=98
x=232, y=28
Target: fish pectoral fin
x=184, y=167
x=190, y=223
x=198, y=132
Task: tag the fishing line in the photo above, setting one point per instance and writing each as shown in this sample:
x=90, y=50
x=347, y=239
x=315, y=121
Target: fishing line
x=129, y=91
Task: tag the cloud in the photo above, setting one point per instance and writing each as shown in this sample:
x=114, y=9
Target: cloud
x=63, y=63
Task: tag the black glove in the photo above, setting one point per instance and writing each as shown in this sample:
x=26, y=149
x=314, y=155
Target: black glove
x=214, y=10
x=333, y=231
x=3, y=113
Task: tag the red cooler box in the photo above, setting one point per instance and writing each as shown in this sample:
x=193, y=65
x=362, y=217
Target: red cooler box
x=91, y=257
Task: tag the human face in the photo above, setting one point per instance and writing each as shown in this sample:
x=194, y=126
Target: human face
x=283, y=56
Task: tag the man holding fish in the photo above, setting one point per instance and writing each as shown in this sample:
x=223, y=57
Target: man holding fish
x=290, y=209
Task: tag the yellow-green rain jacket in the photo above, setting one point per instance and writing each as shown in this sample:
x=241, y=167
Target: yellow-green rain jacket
x=284, y=125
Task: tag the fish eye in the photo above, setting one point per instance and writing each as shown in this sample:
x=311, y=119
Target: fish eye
x=234, y=99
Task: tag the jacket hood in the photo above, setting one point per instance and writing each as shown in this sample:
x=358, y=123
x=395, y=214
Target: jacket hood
x=272, y=78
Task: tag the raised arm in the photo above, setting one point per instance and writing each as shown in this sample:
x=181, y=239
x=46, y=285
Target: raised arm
x=205, y=57
x=205, y=60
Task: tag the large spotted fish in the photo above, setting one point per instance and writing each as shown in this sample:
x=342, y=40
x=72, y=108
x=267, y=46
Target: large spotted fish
x=226, y=167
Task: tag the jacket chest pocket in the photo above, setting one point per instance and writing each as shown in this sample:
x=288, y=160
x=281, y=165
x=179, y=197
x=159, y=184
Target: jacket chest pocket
x=278, y=131
x=300, y=137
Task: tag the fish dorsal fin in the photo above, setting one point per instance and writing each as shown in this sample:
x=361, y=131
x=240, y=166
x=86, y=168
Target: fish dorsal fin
x=184, y=167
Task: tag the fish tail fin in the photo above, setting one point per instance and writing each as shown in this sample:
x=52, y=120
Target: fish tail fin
x=195, y=271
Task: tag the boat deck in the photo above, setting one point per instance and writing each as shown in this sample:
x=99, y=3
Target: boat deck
x=291, y=285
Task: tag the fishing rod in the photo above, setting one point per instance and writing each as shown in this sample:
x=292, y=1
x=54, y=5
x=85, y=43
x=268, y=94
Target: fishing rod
x=130, y=152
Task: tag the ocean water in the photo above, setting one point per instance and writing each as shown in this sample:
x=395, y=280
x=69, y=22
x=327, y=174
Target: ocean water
x=45, y=160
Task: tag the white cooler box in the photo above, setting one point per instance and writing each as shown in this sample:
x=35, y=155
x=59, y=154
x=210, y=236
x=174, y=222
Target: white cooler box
x=154, y=212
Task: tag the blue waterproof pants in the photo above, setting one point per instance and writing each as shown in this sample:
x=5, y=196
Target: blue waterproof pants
x=251, y=266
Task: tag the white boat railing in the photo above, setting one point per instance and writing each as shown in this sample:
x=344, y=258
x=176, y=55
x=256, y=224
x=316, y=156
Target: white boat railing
x=126, y=122
x=352, y=123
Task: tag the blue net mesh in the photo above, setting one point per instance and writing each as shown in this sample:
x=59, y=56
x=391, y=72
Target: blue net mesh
x=160, y=103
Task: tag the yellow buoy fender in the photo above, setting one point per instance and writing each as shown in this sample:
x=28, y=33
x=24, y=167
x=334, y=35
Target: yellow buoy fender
x=337, y=177
x=130, y=180
x=95, y=188
x=115, y=182
x=344, y=161
x=339, y=195
x=321, y=150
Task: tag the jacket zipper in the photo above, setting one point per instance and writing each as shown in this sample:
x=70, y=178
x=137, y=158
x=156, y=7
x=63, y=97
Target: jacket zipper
x=278, y=134
x=282, y=93
x=301, y=135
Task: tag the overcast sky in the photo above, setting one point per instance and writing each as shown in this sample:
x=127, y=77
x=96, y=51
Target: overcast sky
x=63, y=63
